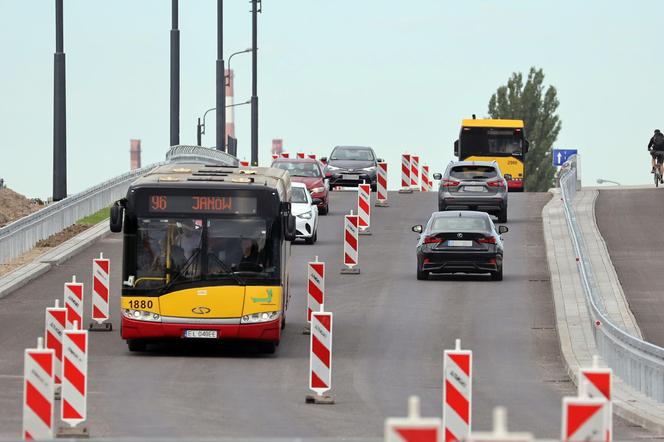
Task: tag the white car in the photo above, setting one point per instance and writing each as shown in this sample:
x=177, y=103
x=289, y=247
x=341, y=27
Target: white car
x=306, y=213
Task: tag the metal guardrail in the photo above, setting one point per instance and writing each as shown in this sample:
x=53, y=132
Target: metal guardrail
x=20, y=236
x=638, y=363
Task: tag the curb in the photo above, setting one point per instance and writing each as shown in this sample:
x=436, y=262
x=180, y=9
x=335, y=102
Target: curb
x=18, y=278
x=574, y=324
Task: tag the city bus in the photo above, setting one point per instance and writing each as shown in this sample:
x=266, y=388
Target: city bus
x=205, y=254
x=502, y=141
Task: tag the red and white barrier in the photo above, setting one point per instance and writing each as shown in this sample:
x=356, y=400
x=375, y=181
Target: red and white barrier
x=312, y=156
x=457, y=393
x=598, y=383
x=55, y=324
x=364, y=208
x=415, y=172
x=412, y=428
x=73, y=409
x=427, y=185
x=405, y=174
x=246, y=163
x=584, y=419
x=351, y=244
x=381, y=185
x=275, y=156
x=284, y=155
x=301, y=155
x=38, y=392
x=101, y=289
x=320, y=354
x=74, y=303
x=315, y=287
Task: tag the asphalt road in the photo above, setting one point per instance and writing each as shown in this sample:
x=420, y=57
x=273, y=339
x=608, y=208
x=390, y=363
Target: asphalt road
x=390, y=331
x=629, y=221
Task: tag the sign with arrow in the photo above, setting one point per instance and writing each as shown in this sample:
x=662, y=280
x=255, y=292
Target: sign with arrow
x=561, y=155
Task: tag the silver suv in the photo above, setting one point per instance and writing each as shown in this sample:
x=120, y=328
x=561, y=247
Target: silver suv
x=473, y=185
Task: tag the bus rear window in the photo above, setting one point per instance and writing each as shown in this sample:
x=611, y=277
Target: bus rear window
x=473, y=172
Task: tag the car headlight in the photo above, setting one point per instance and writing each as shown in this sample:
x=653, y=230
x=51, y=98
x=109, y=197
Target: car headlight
x=140, y=315
x=259, y=317
x=369, y=169
x=318, y=190
x=305, y=215
x=333, y=167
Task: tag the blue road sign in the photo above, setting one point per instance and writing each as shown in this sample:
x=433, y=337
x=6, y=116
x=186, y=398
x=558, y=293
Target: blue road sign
x=561, y=155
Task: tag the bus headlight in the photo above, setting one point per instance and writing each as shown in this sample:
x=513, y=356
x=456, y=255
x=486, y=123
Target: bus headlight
x=305, y=215
x=140, y=315
x=259, y=317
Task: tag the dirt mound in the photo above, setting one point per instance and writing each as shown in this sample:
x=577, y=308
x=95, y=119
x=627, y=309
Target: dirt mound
x=14, y=206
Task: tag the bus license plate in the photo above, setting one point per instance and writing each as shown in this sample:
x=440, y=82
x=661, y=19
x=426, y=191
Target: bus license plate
x=351, y=177
x=201, y=334
x=474, y=189
x=457, y=243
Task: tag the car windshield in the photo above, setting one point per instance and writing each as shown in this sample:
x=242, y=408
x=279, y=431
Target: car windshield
x=352, y=153
x=473, y=172
x=459, y=224
x=237, y=245
x=299, y=168
x=299, y=195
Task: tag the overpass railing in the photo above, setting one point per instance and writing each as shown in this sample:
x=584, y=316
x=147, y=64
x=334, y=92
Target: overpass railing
x=20, y=236
x=638, y=363
x=199, y=154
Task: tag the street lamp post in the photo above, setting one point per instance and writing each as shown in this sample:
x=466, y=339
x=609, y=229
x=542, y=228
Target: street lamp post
x=254, y=81
x=200, y=126
x=221, y=79
x=59, y=109
x=228, y=77
x=175, y=75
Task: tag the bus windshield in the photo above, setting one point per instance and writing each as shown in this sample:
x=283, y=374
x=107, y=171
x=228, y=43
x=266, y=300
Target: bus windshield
x=478, y=141
x=238, y=246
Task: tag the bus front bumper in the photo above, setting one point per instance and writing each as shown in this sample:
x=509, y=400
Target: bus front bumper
x=264, y=331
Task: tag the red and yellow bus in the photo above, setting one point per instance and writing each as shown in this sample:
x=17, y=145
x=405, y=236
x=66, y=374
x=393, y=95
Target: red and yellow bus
x=502, y=141
x=205, y=254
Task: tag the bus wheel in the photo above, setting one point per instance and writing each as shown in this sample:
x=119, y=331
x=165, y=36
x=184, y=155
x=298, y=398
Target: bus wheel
x=136, y=345
x=267, y=347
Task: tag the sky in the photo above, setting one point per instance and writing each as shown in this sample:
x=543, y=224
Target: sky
x=395, y=75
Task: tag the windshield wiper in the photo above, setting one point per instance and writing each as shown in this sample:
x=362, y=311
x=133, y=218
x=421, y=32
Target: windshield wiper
x=186, y=266
x=228, y=271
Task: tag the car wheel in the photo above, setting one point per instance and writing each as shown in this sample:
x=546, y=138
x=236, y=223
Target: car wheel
x=498, y=274
x=421, y=274
x=502, y=215
x=309, y=240
x=441, y=207
x=136, y=345
x=324, y=210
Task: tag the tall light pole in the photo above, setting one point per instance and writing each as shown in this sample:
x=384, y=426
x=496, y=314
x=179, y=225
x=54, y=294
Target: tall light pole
x=228, y=77
x=254, y=81
x=221, y=79
x=59, y=109
x=175, y=75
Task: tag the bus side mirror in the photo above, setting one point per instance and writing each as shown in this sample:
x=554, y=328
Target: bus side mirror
x=288, y=221
x=117, y=213
x=456, y=148
x=526, y=145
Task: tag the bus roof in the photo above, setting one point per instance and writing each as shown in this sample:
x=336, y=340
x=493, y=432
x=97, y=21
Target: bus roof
x=205, y=176
x=492, y=123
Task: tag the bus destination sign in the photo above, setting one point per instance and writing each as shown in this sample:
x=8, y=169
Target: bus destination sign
x=239, y=205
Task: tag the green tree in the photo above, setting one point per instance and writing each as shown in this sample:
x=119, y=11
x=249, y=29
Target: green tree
x=537, y=108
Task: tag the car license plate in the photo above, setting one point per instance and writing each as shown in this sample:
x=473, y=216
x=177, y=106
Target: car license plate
x=351, y=177
x=474, y=189
x=201, y=334
x=458, y=243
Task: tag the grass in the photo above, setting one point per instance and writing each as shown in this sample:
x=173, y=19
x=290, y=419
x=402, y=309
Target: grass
x=95, y=218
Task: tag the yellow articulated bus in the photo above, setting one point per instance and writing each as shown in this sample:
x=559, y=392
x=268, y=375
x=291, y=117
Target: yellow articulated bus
x=502, y=141
x=205, y=254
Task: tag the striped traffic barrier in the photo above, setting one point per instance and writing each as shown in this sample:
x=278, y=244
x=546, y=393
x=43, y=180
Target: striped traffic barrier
x=584, y=418
x=598, y=382
x=500, y=432
x=320, y=358
x=54, y=327
x=415, y=172
x=74, y=302
x=73, y=406
x=405, y=174
x=284, y=155
x=275, y=156
x=312, y=156
x=246, y=163
x=412, y=428
x=38, y=392
x=301, y=155
x=364, y=208
x=427, y=185
x=101, y=289
x=381, y=185
x=457, y=393
x=315, y=287
x=351, y=245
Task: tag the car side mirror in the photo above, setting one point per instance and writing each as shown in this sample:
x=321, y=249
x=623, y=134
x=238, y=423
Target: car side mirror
x=116, y=217
x=508, y=176
x=456, y=148
x=503, y=229
x=316, y=201
x=380, y=160
x=417, y=228
x=437, y=176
